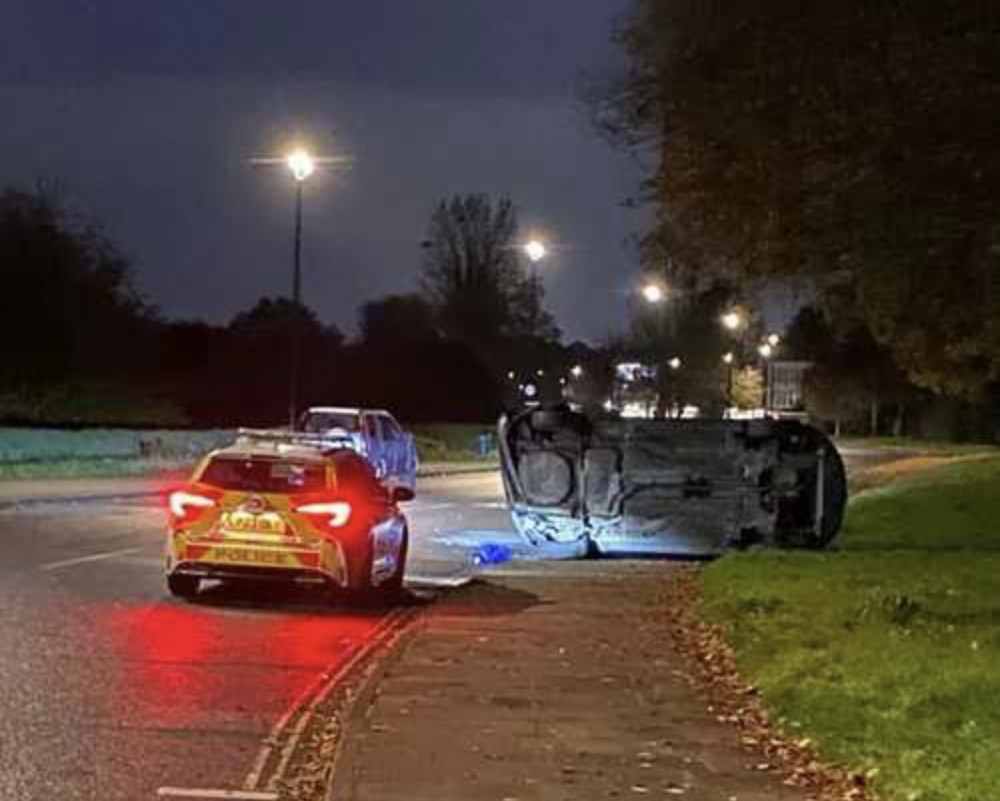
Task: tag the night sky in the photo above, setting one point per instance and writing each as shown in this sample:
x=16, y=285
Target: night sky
x=148, y=112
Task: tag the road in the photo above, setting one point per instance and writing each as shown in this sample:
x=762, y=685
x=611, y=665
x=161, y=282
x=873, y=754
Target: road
x=111, y=690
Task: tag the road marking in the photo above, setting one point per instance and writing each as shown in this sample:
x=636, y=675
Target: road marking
x=235, y=795
x=94, y=557
x=315, y=693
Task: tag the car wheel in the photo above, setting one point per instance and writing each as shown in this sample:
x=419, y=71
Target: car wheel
x=182, y=586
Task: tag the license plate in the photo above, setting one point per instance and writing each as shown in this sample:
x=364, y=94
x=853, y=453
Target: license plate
x=267, y=523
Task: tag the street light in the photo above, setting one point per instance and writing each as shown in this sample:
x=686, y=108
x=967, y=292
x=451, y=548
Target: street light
x=773, y=340
x=535, y=250
x=727, y=358
x=301, y=164
x=732, y=320
x=654, y=293
x=766, y=350
x=675, y=363
x=576, y=371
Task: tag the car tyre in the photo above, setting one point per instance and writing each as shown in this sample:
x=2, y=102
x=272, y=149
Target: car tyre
x=182, y=586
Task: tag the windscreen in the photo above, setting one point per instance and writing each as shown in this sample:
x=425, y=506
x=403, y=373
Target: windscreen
x=320, y=422
x=264, y=475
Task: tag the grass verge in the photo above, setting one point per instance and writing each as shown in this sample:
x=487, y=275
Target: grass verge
x=885, y=654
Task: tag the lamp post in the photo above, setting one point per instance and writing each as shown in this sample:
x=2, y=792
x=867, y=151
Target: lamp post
x=535, y=250
x=301, y=165
x=727, y=359
x=766, y=351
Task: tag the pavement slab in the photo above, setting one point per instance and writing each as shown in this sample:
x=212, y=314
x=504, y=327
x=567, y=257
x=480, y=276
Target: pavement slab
x=554, y=681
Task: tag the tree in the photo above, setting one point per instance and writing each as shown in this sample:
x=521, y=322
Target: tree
x=395, y=318
x=852, y=377
x=472, y=274
x=851, y=144
x=686, y=327
x=68, y=310
x=259, y=348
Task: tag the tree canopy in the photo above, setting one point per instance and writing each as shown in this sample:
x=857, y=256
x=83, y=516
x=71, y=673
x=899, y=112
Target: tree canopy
x=850, y=144
x=68, y=308
x=473, y=277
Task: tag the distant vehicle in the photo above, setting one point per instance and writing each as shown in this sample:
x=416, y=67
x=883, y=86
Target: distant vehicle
x=374, y=433
x=669, y=486
x=275, y=506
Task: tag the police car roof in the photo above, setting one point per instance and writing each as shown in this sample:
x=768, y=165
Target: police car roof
x=344, y=410
x=283, y=450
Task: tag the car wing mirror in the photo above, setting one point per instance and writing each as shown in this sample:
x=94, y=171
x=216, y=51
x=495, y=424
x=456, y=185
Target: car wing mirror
x=402, y=494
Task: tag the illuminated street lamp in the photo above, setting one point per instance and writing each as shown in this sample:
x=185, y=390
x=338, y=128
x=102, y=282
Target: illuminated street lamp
x=654, y=293
x=576, y=371
x=727, y=359
x=535, y=250
x=510, y=375
x=773, y=340
x=766, y=350
x=301, y=165
x=732, y=320
x=675, y=363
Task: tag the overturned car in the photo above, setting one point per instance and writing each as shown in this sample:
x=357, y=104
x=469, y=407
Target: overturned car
x=669, y=486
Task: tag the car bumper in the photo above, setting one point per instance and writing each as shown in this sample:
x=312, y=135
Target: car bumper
x=209, y=570
x=231, y=560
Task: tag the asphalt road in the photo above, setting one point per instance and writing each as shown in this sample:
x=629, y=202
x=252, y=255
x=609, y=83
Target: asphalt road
x=111, y=690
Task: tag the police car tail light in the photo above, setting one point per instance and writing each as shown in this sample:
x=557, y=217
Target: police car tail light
x=328, y=514
x=186, y=507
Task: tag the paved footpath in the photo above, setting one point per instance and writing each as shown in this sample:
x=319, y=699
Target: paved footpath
x=545, y=681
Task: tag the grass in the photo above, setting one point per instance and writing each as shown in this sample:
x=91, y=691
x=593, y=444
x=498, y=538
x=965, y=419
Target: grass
x=913, y=444
x=886, y=653
x=452, y=442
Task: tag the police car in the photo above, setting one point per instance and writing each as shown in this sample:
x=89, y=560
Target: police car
x=286, y=506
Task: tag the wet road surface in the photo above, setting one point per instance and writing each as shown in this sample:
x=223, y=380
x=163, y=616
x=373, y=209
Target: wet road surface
x=110, y=690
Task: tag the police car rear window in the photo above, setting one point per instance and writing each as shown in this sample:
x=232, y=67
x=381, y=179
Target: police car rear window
x=264, y=475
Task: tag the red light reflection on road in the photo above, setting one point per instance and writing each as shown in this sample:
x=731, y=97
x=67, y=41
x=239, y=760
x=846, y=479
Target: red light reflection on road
x=224, y=668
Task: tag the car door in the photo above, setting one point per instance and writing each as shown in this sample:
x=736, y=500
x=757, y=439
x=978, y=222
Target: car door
x=393, y=438
x=375, y=446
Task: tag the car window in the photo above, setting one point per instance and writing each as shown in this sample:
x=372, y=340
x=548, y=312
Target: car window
x=263, y=475
x=371, y=425
x=389, y=426
x=319, y=422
